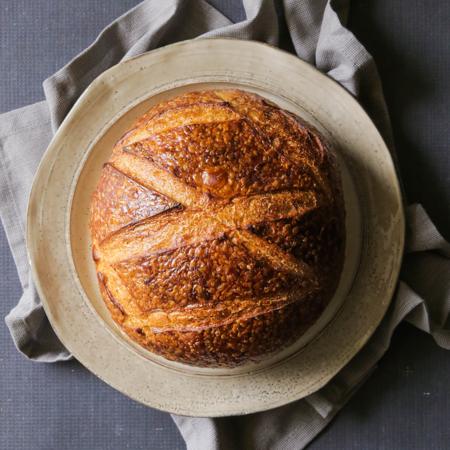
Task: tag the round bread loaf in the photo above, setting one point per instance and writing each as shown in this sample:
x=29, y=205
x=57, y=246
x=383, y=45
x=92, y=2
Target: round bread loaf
x=218, y=228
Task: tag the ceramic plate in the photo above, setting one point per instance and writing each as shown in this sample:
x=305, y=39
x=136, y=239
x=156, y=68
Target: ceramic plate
x=59, y=245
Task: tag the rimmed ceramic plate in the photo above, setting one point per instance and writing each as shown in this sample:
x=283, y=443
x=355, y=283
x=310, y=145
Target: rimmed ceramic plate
x=59, y=246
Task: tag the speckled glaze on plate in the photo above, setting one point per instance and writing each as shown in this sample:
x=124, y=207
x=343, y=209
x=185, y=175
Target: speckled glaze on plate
x=58, y=239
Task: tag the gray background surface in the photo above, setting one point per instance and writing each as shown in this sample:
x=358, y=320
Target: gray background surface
x=406, y=403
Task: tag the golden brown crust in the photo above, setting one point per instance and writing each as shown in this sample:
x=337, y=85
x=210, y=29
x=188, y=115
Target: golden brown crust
x=218, y=228
x=137, y=203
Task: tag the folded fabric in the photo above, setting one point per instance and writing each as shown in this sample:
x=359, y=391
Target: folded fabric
x=318, y=34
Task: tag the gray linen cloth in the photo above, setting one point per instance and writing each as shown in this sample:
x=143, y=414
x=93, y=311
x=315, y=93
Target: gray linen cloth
x=318, y=33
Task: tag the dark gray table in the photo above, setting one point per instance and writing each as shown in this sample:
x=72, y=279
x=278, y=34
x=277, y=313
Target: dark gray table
x=406, y=403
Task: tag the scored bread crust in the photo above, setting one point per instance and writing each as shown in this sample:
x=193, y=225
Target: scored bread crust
x=218, y=228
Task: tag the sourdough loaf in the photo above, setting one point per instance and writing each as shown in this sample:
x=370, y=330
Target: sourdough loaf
x=218, y=228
